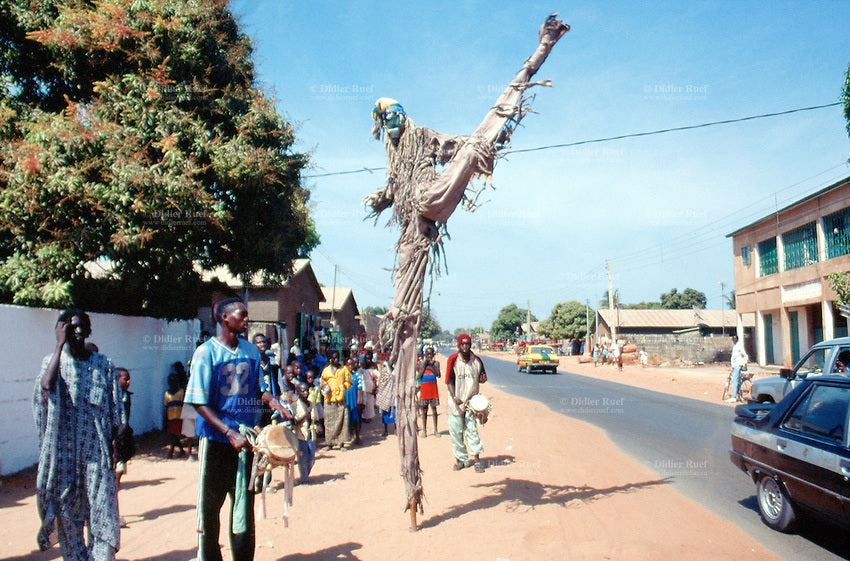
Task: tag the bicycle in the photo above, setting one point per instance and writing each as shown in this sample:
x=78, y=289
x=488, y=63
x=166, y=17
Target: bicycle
x=745, y=386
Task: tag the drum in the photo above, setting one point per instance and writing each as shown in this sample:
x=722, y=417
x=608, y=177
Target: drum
x=480, y=407
x=278, y=443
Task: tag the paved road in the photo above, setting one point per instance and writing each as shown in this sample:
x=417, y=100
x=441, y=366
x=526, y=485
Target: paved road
x=684, y=440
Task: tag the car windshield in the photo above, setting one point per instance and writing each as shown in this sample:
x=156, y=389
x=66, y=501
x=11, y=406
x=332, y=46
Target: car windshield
x=543, y=350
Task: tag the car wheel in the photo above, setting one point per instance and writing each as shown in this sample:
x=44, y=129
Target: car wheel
x=518, y=367
x=776, y=510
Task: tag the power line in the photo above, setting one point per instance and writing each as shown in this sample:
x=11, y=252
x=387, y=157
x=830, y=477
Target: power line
x=618, y=137
x=709, y=230
x=676, y=129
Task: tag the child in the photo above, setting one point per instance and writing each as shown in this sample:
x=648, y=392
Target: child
x=305, y=430
x=123, y=453
x=354, y=397
x=287, y=387
x=427, y=374
x=370, y=386
x=173, y=408
x=385, y=398
x=314, y=397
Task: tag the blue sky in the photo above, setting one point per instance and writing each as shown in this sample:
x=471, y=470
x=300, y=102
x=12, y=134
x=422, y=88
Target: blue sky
x=659, y=207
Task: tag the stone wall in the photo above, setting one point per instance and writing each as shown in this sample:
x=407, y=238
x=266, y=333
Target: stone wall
x=690, y=347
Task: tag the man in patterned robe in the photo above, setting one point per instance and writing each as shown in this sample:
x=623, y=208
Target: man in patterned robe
x=77, y=413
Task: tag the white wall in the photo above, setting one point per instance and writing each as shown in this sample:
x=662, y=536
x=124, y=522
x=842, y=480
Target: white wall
x=145, y=346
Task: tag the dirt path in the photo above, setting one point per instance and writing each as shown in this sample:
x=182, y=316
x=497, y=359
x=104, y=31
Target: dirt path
x=554, y=489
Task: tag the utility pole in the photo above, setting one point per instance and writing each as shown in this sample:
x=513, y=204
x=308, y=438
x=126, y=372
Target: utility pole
x=722, y=310
x=528, y=320
x=333, y=301
x=611, y=302
x=586, y=325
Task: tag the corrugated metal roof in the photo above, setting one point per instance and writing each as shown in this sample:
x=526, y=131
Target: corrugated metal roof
x=339, y=295
x=224, y=275
x=673, y=319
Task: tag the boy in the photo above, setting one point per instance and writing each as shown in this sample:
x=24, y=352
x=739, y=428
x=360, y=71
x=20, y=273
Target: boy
x=173, y=400
x=224, y=386
x=305, y=430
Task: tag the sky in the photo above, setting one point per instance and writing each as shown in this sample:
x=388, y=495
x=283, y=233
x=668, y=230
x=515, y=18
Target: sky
x=658, y=208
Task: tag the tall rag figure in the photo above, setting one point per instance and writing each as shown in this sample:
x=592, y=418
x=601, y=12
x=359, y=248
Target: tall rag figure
x=423, y=201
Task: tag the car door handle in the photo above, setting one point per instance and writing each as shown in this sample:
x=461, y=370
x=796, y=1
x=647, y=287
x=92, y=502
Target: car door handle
x=781, y=443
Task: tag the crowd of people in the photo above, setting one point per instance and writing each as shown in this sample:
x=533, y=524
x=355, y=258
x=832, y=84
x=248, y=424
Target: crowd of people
x=323, y=395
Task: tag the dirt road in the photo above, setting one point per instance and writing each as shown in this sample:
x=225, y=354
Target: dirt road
x=554, y=489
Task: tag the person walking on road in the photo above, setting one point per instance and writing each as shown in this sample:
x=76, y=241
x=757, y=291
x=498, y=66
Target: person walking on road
x=739, y=362
x=464, y=373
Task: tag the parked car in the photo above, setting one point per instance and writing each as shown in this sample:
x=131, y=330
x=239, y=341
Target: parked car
x=796, y=452
x=538, y=357
x=827, y=357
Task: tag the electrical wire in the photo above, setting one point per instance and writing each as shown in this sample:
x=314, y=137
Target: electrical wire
x=618, y=137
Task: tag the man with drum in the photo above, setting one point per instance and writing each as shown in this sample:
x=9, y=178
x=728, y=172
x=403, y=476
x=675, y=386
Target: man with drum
x=464, y=373
x=224, y=386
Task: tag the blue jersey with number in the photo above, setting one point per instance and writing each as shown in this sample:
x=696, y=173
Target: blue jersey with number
x=228, y=382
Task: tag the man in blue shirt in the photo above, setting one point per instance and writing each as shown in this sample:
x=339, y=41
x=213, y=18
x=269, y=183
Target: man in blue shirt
x=225, y=388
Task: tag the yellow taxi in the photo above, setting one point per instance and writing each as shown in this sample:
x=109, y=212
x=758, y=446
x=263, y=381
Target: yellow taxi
x=538, y=357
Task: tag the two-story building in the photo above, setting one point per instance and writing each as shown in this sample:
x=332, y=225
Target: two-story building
x=781, y=264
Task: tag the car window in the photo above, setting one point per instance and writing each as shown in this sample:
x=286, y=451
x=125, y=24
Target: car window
x=814, y=362
x=823, y=413
x=842, y=360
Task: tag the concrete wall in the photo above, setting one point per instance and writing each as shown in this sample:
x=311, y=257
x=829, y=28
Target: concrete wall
x=145, y=346
x=689, y=347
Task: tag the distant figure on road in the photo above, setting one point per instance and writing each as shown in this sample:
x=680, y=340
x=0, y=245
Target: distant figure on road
x=739, y=361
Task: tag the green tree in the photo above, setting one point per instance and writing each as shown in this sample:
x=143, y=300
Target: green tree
x=133, y=135
x=689, y=298
x=603, y=303
x=641, y=306
x=846, y=97
x=840, y=282
x=730, y=300
x=376, y=310
x=430, y=327
x=509, y=320
x=471, y=331
x=568, y=320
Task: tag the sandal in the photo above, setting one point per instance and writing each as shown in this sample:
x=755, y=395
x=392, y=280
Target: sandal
x=479, y=467
x=459, y=465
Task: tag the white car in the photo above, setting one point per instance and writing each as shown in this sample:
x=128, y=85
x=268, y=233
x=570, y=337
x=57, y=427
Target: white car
x=827, y=357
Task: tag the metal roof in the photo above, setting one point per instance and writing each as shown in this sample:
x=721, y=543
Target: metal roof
x=339, y=295
x=673, y=319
